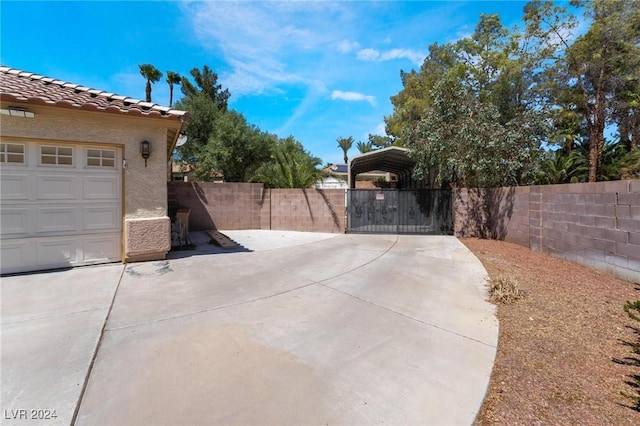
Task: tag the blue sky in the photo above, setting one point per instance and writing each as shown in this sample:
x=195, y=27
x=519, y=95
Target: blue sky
x=314, y=70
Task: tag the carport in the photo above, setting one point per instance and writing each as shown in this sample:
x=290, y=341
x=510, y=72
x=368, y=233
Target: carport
x=392, y=159
x=411, y=208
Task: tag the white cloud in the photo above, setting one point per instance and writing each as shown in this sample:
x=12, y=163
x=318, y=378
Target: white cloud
x=346, y=46
x=388, y=55
x=267, y=46
x=368, y=55
x=352, y=97
x=412, y=55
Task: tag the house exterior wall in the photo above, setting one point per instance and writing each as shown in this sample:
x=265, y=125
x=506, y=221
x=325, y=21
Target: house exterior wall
x=595, y=224
x=145, y=191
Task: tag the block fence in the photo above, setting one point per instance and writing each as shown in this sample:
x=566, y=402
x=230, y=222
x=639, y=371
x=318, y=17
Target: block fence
x=252, y=206
x=595, y=224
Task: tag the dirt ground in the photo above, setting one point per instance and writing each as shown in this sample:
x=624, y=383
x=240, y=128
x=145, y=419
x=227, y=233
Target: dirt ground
x=563, y=353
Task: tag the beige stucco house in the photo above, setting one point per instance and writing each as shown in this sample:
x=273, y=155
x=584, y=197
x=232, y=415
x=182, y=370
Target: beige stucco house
x=75, y=188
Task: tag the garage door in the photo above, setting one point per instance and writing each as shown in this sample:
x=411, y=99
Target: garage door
x=61, y=205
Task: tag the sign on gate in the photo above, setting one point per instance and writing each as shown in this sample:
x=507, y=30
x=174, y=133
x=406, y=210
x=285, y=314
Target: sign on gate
x=400, y=211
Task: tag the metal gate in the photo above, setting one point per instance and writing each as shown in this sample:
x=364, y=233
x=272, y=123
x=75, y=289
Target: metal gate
x=400, y=211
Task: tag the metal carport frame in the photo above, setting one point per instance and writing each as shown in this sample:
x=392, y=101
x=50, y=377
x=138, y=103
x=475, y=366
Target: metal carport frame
x=392, y=159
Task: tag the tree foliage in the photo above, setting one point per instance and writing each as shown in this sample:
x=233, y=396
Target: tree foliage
x=173, y=78
x=485, y=153
x=483, y=110
x=152, y=75
x=379, y=142
x=364, y=147
x=602, y=65
x=221, y=141
x=235, y=148
x=290, y=166
x=207, y=85
x=345, y=144
x=478, y=127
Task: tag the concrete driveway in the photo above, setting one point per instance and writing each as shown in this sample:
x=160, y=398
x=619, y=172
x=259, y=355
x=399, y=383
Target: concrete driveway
x=295, y=328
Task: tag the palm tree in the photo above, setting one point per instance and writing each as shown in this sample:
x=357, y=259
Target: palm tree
x=364, y=147
x=291, y=167
x=172, y=78
x=618, y=163
x=152, y=75
x=560, y=167
x=345, y=144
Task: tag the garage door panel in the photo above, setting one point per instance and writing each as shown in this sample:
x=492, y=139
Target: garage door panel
x=14, y=186
x=17, y=255
x=101, y=218
x=101, y=187
x=14, y=222
x=101, y=248
x=57, y=219
x=56, y=252
x=57, y=187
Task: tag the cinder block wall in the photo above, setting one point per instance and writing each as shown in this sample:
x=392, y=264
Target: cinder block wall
x=220, y=205
x=314, y=210
x=596, y=224
x=251, y=206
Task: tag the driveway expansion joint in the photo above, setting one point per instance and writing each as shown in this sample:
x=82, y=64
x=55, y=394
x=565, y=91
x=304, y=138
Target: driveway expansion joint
x=95, y=351
x=46, y=317
x=409, y=317
x=245, y=302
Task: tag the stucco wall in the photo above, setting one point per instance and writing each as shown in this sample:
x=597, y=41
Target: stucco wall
x=145, y=191
x=596, y=224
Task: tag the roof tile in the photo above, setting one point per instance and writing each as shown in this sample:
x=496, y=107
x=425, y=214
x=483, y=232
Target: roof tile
x=22, y=86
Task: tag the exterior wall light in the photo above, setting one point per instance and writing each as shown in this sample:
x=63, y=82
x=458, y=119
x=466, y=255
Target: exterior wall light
x=145, y=150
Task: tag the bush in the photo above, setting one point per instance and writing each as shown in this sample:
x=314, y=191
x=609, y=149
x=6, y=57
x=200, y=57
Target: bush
x=505, y=290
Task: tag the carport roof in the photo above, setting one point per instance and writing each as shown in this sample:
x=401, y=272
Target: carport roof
x=393, y=159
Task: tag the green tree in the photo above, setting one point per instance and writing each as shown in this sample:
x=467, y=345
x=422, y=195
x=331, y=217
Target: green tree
x=235, y=148
x=172, y=79
x=479, y=127
x=221, y=140
x=379, y=142
x=152, y=75
x=204, y=116
x=364, y=147
x=206, y=101
x=290, y=166
x=206, y=84
x=345, y=144
x=409, y=104
x=461, y=138
x=563, y=167
x=601, y=65
x=617, y=162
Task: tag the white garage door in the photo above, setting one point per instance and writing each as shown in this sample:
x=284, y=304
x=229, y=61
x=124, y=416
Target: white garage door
x=61, y=205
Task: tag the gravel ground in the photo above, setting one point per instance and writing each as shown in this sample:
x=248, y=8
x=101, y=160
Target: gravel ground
x=563, y=352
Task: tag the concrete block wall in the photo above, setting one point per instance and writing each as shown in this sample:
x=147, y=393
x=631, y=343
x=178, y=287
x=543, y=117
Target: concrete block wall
x=596, y=224
x=313, y=210
x=251, y=206
x=220, y=205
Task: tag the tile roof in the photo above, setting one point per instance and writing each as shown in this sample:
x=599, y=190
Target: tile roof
x=22, y=86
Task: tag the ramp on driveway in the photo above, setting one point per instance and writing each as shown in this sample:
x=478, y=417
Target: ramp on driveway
x=308, y=329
